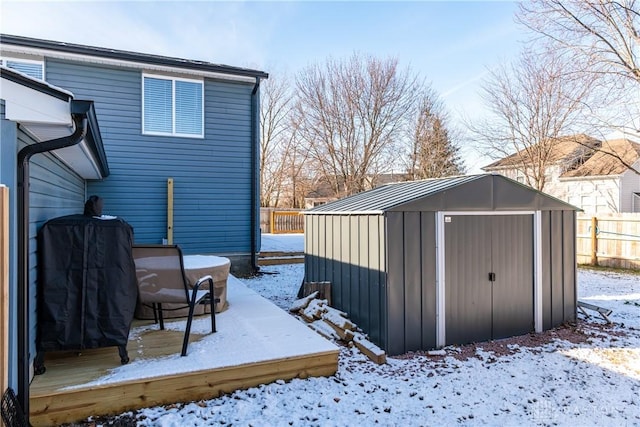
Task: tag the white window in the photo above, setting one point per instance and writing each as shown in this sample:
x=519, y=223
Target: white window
x=172, y=106
x=29, y=67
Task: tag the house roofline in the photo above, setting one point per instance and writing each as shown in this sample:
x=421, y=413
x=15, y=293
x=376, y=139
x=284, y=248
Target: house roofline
x=128, y=56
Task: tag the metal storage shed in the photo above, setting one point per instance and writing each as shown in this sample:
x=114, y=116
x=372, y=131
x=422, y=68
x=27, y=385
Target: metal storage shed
x=423, y=264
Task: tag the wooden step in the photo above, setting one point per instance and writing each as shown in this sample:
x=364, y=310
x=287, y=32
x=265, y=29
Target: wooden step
x=277, y=258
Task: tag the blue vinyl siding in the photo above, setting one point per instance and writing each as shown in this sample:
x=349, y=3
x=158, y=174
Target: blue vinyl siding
x=8, y=159
x=212, y=176
x=55, y=190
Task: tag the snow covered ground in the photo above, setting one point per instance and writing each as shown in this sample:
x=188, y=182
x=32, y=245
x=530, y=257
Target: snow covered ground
x=584, y=375
x=587, y=375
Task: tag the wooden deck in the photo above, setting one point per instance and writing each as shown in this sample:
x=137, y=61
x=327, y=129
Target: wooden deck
x=59, y=396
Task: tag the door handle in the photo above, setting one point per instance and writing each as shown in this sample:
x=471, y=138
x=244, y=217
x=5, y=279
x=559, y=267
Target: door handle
x=492, y=277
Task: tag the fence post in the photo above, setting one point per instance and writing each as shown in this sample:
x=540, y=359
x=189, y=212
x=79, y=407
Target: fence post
x=272, y=224
x=594, y=241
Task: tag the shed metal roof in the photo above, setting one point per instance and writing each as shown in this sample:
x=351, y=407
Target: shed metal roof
x=470, y=192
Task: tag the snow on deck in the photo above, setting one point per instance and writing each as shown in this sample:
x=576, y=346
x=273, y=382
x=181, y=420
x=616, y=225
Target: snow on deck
x=252, y=330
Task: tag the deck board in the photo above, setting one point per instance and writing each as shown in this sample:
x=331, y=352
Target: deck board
x=73, y=387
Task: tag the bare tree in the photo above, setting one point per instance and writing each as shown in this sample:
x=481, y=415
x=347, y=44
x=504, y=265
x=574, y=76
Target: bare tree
x=432, y=153
x=533, y=103
x=351, y=113
x=276, y=141
x=602, y=38
x=604, y=35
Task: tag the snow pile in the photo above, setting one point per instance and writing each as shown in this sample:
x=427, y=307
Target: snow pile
x=586, y=375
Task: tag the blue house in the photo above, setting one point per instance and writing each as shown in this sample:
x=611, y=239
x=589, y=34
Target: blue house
x=170, y=144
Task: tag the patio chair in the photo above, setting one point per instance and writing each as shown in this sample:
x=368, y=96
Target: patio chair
x=12, y=414
x=161, y=279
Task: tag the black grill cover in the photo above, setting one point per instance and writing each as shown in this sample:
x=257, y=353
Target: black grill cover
x=87, y=287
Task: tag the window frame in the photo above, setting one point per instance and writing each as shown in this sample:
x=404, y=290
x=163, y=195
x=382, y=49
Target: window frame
x=173, y=106
x=4, y=59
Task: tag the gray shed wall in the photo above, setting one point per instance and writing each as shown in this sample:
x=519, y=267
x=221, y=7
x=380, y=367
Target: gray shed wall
x=348, y=251
x=558, y=268
x=411, y=281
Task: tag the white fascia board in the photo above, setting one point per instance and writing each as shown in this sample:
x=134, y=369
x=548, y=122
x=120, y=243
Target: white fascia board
x=121, y=63
x=27, y=105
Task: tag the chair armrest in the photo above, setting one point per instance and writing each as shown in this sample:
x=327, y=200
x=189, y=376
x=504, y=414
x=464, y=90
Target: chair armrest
x=203, y=279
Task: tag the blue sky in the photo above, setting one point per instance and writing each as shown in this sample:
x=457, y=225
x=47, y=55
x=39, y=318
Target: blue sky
x=450, y=44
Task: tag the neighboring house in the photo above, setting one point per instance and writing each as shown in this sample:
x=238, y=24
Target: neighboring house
x=163, y=123
x=579, y=171
x=605, y=184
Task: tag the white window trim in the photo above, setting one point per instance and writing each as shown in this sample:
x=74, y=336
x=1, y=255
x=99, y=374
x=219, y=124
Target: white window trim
x=4, y=59
x=173, y=108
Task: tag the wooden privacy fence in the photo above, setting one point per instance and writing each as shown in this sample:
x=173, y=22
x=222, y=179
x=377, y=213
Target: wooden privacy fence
x=275, y=220
x=287, y=222
x=609, y=240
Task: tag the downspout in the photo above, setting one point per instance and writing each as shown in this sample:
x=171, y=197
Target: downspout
x=80, y=124
x=255, y=201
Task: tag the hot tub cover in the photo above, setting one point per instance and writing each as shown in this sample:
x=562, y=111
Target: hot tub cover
x=87, y=286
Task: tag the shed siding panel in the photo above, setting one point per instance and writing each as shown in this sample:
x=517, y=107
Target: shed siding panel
x=55, y=190
x=569, y=265
x=412, y=281
x=363, y=273
x=376, y=279
x=354, y=266
x=428, y=278
x=546, y=242
x=337, y=283
x=329, y=259
x=395, y=283
x=557, y=276
x=321, y=248
x=316, y=248
x=212, y=176
x=345, y=273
